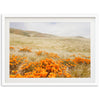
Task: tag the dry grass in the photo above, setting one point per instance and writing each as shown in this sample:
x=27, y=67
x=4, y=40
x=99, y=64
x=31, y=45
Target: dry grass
x=64, y=47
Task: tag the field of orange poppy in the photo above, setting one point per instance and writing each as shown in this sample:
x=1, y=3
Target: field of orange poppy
x=49, y=57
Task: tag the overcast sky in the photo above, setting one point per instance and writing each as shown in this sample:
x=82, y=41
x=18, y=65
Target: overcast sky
x=56, y=28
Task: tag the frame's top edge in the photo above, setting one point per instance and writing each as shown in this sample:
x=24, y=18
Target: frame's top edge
x=51, y=15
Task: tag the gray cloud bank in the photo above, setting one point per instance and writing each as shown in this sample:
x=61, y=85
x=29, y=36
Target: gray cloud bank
x=56, y=28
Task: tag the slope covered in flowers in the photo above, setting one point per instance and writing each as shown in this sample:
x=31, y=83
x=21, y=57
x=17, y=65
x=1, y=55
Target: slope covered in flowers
x=51, y=66
x=34, y=55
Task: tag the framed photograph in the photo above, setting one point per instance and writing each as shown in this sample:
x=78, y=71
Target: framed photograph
x=49, y=50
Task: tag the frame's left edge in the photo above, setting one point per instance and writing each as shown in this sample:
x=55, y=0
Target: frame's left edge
x=3, y=52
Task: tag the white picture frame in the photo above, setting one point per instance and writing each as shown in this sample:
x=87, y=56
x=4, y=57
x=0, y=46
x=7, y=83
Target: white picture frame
x=6, y=81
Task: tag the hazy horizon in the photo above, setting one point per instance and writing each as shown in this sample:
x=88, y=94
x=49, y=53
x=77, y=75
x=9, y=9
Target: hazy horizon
x=55, y=28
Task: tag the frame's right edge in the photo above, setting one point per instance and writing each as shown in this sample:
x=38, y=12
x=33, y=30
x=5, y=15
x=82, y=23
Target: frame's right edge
x=96, y=61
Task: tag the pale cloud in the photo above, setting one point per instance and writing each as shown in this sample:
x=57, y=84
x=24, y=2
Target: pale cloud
x=56, y=28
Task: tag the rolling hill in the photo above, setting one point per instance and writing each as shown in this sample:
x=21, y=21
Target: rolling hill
x=29, y=33
x=37, y=47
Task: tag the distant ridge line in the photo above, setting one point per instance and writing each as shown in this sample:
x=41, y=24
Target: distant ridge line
x=30, y=33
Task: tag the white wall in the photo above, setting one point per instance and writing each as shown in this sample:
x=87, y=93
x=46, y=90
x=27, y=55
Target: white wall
x=52, y=6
